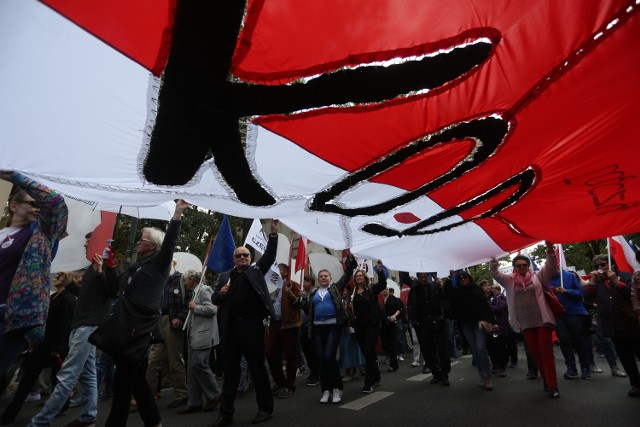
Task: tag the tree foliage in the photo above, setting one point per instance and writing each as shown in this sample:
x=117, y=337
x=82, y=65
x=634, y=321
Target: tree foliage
x=580, y=254
x=196, y=232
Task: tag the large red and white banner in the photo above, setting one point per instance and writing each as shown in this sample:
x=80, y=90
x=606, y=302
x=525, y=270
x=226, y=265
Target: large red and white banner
x=432, y=135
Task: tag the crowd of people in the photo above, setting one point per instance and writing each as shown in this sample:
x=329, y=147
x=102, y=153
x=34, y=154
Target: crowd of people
x=154, y=325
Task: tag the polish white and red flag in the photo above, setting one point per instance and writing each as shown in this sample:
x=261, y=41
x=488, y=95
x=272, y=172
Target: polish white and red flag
x=302, y=259
x=433, y=145
x=623, y=254
x=562, y=262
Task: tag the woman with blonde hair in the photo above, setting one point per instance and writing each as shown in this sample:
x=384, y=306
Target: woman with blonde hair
x=366, y=323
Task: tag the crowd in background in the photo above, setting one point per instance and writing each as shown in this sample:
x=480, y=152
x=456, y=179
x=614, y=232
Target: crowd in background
x=156, y=327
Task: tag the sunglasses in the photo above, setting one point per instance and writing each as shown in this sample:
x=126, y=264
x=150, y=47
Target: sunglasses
x=32, y=203
x=238, y=256
x=603, y=264
x=521, y=265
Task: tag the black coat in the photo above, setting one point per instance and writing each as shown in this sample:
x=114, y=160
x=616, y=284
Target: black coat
x=612, y=321
x=255, y=275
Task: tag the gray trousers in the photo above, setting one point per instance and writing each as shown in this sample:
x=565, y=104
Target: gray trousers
x=200, y=380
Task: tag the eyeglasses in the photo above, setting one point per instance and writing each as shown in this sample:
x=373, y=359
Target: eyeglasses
x=242, y=255
x=142, y=239
x=521, y=265
x=603, y=264
x=32, y=203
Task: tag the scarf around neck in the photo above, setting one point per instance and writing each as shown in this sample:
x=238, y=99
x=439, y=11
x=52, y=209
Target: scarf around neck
x=523, y=281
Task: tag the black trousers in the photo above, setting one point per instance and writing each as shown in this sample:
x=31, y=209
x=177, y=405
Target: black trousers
x=389, y=333
x=627, y=353
x=130, y=379
x=434, y=343
x=35, y=362
x=367, y=339
x=309, y=351
x=245, y=337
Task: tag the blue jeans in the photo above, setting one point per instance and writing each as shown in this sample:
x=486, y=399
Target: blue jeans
x=605, y=346
x=105, y=367
x=79, y=366
x=478, y=343
x=570, y=330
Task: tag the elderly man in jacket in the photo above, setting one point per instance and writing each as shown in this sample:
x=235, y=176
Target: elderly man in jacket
x=243, y=297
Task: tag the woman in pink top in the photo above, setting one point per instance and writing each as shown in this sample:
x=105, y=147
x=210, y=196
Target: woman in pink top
x=529, y=312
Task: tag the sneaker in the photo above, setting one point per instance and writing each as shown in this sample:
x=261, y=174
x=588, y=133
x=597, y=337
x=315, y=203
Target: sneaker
x=35, y=397
x=595, y=370
x=377, y=383
x=400, y=359
x=347, y=378
x=426, y=370
x=311, y=381
x=572, y=373
x=488, y=385
x=390, y=369
x=367, y=389
x=434, y=380
x=337, y=395
x=325, y=397
x=78, y=423
x=285, y=393
x=554, y=393
x=502, y=373
x=585, y=374
x=300, y=372
x=415, y=364
x=532, y=375
x=616, y=372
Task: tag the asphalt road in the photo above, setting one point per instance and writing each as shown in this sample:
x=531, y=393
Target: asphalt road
x=407, y=399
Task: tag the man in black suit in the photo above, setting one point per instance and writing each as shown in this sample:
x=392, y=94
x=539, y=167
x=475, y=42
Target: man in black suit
x=243, y=297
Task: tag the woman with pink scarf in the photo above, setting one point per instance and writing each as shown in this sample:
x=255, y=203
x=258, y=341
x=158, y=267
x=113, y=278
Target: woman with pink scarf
x=529, y=312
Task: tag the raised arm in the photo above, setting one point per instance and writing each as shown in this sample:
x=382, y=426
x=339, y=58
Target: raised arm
x=497, y=275
x=351, y=265
x=53, y=209
x=382, y=280
x=269, y=257
x=163, y=260
x=550, y=266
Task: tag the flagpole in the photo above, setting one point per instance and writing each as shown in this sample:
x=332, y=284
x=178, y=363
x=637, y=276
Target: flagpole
x=609, y=252
x=560, y=257
x=293, y=234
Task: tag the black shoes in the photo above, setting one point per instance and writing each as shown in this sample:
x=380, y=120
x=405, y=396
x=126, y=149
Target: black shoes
x=554, y=393
x=213, y=404
x=260, y=417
